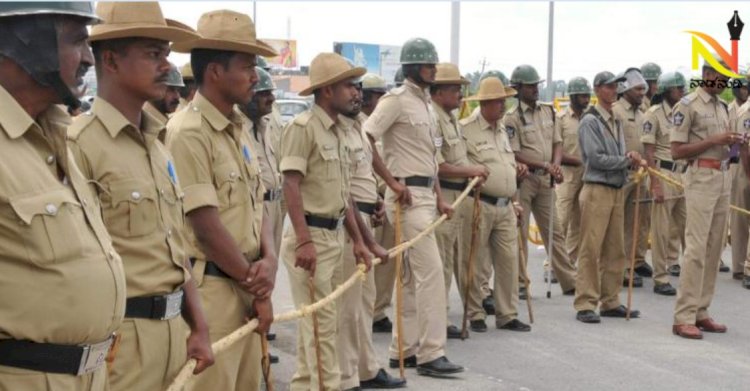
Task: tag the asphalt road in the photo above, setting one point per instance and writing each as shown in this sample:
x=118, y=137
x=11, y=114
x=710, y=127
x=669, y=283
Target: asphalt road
x=561, y=353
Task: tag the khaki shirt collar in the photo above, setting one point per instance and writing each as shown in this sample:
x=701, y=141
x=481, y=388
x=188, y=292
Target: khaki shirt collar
x=115, y=122
x=705, y=96
x=151, y=109
x=605, y=114
x=324, y=117
x=525, y=107
x=442, y=114
x=627, y=105
x=13, y=118
x=569, y=110
x=422, y=93
x=215, y=118
x=486, y=125
x=346, y=122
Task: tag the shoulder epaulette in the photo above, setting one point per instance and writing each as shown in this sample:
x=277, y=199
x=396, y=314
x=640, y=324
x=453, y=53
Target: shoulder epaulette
x=689, y=98
x=303, y=118
x=396, y=91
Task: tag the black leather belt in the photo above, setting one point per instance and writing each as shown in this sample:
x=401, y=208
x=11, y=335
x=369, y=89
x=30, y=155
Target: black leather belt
x=212, y=269
x=419, y=181
x=497, y=201
x=161, y=307
x=324, y=222
x=53, y=358
x=672, y=166
x=452, y=185
x=604, y=184
x=367, y=207
x=272, y=195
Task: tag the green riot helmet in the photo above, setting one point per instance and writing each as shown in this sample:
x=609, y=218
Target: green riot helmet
x=398, y=79
x=525, y=74
x=174, y=78
x=265, y=83
x=650, y=71
x=579, y=86
x=418, y=51
x=29, y=36
x=497, y=74
x=669, y=80
x=261, y=62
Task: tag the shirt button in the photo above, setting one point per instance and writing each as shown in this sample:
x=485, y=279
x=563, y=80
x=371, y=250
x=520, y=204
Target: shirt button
x=233, y=175
x=169, y=233
x=51, y=209
x=84, y=202
x=111, y=254
x=50, y=159
x=161, y=191
x=135, y=195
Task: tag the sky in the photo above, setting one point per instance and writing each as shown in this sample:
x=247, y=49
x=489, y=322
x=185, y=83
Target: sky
x=589, y=36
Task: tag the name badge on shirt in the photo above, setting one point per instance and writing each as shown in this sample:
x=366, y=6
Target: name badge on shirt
x=171, y=172
x=438, y=142
x=246, y=153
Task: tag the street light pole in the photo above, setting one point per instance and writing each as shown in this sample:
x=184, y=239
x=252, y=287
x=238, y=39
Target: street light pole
x=455, y=30
x=550, y=45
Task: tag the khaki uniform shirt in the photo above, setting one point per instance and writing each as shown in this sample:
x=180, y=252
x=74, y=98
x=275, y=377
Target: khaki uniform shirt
x=218, y=167
x=141, y=200
x=532, y=130
x=698, y=116
x=645, y=104
x=492, y=149
x=566, y=128
x=313, y=145
x=262, y=144
x=275, y=127
x=631, y=118
x=453, y=150
x=155, y=113
x=405, y=122
x=657, y=130
x=363, y=183
x=61, y=281
x=733, y=109
x=742, y=124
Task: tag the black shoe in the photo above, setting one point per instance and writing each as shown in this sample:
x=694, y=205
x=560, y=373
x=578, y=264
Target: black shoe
x=489, y=305
x=587, y=316
x=570, y=292
x=644, y=270
x=674, y=270
x=738, y=276
x=515, y=325
x=478, y=326
x=353, y=389
x=270, y=336
x=454, y=332
x=522, y=294
x=723, y=268
x=619, y=312
x=637, y=280
x=746, y=282
x=665, y=289
x=409, y=362
x=439, y=367
x=383, y=380
x=273, y=359
x=382, y=326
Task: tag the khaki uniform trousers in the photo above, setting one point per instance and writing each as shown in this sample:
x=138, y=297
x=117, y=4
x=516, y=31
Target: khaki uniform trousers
x=449, y=237
x=226, y=307
x=667, y=219
x=16, y=379
x=273, y=211
x=739, y=225
x=385, y=275
x=601, y=257
x=329, y=246
x=644, y=220
x=568, y=209
x=150, y=354
x=536, y=196
x=707, y=200
x=357, y=358
x=497, y=245
x=423, y=315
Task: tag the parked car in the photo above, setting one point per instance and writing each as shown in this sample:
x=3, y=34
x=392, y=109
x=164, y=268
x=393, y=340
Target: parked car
x=289, y=108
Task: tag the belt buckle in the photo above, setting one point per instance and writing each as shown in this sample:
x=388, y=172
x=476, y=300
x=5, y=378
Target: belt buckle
x=276, y=194
x=724, y=165
x=94, y=356
x=501, y=202
x=340, y=223
x=431, y=182
x=173, y=305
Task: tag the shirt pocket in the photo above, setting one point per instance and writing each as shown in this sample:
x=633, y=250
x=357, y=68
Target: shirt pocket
x=50, y=225
x=487, y=152
x=132, y=210
x=231, y=188
x=331, y=161
x=451, y=148
x=357, y=158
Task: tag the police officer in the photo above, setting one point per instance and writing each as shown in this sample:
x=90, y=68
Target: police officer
x=740, y=196
x=314, y=161
x=626, y=109
x=601, y=257
x=54, y=246
x=188, y=91
x=454, y=171
x=668, y=209
x=488, y=145
x=531, y=130
x=140, y=195
x=163, y=107
x=566, y=126
x=405, y=121
x=702, y=135
x=651, y=73
x=357, y=359
x=234, y=263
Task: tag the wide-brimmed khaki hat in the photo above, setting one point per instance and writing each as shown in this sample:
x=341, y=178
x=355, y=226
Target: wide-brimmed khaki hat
x=329, y=68
x=187, y=72
x=448, y=73
x=226, y=30
x=137, y=19
x=492, y=88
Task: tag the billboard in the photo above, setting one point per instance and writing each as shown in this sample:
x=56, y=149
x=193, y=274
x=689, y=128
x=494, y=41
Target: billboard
x=287, y=49
x=378, y=59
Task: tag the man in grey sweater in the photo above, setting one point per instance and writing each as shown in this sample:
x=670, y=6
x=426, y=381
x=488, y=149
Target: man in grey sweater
x=601, y=259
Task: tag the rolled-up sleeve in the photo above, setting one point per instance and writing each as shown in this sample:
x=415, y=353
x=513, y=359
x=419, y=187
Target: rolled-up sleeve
x=192, y=155
x=385, y=114
x=296, y=144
